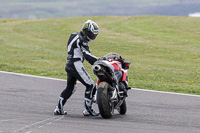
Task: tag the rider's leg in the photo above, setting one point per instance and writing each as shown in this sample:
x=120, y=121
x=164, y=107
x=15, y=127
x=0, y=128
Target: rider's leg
x=66, y=94
x=90, y=85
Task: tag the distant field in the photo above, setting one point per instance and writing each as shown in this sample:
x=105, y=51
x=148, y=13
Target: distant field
x=66, y=8
x=164, y=51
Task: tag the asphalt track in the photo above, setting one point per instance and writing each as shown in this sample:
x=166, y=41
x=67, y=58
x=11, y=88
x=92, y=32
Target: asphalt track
x=27, y=104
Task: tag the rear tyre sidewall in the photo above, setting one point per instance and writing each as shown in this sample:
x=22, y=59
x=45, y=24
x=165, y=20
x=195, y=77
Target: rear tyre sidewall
x=106, y=107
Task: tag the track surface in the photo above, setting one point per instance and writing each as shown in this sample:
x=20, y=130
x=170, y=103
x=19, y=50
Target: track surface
x=27, y=104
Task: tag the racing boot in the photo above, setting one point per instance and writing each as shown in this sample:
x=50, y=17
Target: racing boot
x=59, y=108
x=88, y=108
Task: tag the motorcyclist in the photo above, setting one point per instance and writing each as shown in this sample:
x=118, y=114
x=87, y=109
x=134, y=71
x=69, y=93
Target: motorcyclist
x=78, y=50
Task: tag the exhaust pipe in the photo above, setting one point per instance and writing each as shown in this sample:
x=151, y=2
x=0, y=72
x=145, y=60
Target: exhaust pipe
x=97, y=67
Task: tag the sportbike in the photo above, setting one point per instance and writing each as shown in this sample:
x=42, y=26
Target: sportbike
x=112, y=86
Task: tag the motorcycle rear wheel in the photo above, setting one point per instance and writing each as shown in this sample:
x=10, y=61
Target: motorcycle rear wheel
x=106, y=107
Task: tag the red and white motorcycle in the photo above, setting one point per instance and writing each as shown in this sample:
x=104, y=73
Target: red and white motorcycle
x=112, y=85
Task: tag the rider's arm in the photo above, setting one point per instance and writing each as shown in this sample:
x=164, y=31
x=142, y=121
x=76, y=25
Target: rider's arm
x=87, y=55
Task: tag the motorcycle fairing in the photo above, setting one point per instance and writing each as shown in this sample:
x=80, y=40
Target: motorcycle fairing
x=117, y=65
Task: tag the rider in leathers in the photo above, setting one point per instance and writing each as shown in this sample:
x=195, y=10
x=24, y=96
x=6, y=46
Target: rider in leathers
x=78, y=50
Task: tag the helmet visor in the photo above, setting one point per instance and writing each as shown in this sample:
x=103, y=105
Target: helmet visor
x=91, y=35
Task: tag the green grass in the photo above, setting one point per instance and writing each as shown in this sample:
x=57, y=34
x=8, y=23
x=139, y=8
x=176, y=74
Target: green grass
x=164, y=50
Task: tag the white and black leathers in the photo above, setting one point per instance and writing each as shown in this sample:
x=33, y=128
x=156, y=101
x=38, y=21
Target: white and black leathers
x=78, y=51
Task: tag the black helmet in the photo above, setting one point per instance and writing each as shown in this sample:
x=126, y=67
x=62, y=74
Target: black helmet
x=90, y=30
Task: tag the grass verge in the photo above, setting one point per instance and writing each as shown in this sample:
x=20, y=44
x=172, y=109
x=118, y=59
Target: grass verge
x=164, y=50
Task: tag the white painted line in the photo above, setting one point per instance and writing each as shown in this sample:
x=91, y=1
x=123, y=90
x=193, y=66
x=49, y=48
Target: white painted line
x=11, y=120
x=40, y=126
x=33, y=76
x=51, y=122
x=164, y=92
x=28, y=126
x=12, y=73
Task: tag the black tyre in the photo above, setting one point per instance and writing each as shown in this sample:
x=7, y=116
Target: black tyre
x=122, y=109
x=106, y=107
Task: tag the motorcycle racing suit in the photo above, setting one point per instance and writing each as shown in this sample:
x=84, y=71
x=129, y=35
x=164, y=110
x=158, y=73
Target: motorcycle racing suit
x=78, y=51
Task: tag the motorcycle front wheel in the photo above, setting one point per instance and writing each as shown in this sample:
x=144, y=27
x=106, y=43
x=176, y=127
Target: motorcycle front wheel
x=122, y=109
x=106, y=107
